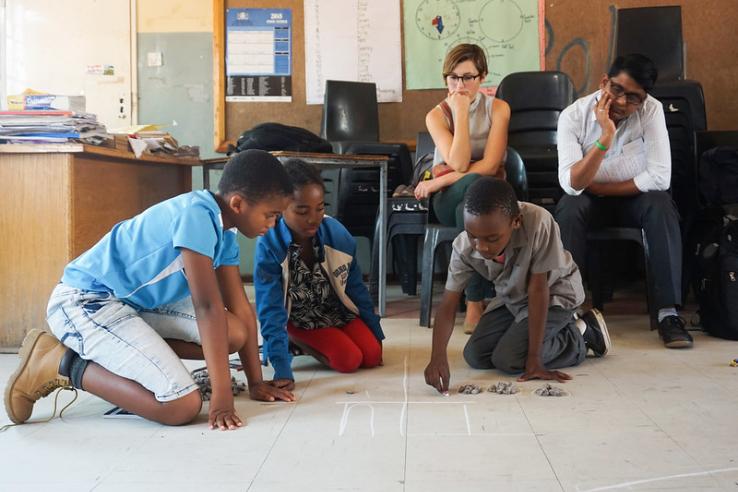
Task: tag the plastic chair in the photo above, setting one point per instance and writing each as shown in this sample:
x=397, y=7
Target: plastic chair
x=684, y=110
x=437, y=234
x=655, y=32
x=536, y=100
x=597, y=286
x=406, y=220
x=350, y=123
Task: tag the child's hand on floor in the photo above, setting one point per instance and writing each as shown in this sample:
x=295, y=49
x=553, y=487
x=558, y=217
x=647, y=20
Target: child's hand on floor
x=535, y=370
x=269, y=391
x=222, y=414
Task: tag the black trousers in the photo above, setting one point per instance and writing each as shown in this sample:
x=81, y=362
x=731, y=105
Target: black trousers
x=653, y=211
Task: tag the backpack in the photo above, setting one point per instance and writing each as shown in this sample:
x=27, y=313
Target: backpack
x=718, y=176
x=715, y=276
x=422, y=168
x=275, y=136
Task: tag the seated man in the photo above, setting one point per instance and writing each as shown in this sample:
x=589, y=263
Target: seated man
x=615, y=166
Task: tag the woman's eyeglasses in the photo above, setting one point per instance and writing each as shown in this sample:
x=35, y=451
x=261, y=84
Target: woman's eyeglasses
x=466, y=78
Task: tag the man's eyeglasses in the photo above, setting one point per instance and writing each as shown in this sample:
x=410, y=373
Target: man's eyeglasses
x=632, y=98
x=452, y=77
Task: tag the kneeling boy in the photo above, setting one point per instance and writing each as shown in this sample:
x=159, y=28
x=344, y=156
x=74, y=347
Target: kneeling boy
x=159, y=287
x=530, y=326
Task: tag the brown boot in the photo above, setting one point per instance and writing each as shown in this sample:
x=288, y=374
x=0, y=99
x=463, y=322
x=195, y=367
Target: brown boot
x=36, y=376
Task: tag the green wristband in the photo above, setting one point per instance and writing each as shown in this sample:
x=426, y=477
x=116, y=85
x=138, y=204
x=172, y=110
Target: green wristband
x=600, y=146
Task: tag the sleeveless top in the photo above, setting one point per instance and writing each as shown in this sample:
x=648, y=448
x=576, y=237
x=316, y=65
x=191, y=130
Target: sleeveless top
x=480, y=125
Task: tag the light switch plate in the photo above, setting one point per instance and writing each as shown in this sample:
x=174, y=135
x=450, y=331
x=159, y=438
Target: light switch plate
x=154, y=59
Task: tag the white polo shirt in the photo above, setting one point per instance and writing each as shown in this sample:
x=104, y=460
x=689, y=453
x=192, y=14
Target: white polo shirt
x=639, y=151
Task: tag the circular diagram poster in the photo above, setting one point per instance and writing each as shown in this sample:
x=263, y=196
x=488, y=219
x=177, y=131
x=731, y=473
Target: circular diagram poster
x=508, y=30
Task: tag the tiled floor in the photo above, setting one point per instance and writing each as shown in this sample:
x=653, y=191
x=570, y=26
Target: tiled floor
x=643, y=418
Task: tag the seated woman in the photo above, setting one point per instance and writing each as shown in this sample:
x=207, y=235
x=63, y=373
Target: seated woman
x=309, y=289
x=469, y=129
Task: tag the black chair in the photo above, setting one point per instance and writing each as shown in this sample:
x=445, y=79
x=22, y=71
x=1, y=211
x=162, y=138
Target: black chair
x=596, y=279
x=437, y=234
x=536, y=100
x=406, y=220
x=350, y=123
x=655, y=32
x=684, y=110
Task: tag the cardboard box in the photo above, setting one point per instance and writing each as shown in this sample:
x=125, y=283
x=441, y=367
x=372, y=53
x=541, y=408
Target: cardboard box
x=31, y=100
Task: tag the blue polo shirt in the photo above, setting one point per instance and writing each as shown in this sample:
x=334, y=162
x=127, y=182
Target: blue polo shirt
x=140, y=262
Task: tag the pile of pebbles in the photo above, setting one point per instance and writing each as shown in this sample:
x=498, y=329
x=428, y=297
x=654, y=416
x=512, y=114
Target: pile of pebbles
x=509, y=388
x=470, y=389
x=548, y=390
x=503, y=388
x=203, y=382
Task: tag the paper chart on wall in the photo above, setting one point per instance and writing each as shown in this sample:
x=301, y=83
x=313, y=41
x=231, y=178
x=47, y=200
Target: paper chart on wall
x=509, y=31
x=355, y=40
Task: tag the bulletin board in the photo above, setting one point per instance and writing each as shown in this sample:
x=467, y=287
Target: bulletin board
x=398, y=122
x=578, y=41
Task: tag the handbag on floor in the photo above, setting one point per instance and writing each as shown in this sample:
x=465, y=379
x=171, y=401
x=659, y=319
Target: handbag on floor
x=715, y=277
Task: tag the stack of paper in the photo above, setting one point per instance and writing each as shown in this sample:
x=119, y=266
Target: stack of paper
x=150, y=138
x=51, y=127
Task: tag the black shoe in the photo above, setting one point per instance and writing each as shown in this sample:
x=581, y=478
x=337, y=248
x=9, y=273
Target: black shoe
x=673, y=332
x=596, y=336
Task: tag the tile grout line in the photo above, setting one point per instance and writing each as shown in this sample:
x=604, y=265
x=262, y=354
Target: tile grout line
x=405, y=387
x=540, y=445
x=279, y=434
x=661, y=429
x=131, y=449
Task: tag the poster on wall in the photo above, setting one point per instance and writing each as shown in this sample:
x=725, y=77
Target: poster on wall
x=258, y=55
x=354, y=40
x=511, y=33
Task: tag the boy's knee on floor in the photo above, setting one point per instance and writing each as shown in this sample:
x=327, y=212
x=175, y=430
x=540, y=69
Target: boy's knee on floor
x=475, y=358
x=182, y=410
x=507, y=362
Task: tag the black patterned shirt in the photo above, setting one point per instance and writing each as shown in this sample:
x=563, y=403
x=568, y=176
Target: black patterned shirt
x=314, y=302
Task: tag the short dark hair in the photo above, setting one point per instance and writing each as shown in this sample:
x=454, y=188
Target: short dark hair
x=255, y=174
x=301, y=174
x=639, y=67
x=488, y=194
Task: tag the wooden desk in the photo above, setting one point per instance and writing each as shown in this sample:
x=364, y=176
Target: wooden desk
x=56, y=202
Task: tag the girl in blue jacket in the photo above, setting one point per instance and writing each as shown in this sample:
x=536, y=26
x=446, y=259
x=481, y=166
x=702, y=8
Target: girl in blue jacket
x=309, y=288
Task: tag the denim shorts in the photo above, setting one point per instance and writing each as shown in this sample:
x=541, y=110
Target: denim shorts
x=126, y=341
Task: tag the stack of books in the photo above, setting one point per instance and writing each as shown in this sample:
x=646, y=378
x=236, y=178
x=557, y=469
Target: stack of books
x=52, y=126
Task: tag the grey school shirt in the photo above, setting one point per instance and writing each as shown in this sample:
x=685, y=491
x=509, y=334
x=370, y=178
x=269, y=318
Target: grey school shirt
x=535, y=247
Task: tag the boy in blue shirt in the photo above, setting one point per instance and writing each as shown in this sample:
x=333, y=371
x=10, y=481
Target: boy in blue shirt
x=160, y=287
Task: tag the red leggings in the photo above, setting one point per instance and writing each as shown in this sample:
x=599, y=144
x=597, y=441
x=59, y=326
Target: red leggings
x=344, y=349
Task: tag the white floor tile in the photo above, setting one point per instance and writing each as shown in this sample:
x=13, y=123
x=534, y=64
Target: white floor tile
x=643, y=418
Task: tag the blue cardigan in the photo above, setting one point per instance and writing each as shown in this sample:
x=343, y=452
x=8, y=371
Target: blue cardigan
x=271, y=277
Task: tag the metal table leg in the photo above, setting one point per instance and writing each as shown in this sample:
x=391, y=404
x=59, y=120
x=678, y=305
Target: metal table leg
x=382, y=238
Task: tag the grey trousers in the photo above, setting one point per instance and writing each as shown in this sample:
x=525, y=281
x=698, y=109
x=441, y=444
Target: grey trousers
x=499, y=342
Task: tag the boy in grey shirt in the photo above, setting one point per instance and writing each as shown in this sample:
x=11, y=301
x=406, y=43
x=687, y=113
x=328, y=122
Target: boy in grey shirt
x=531, y=325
